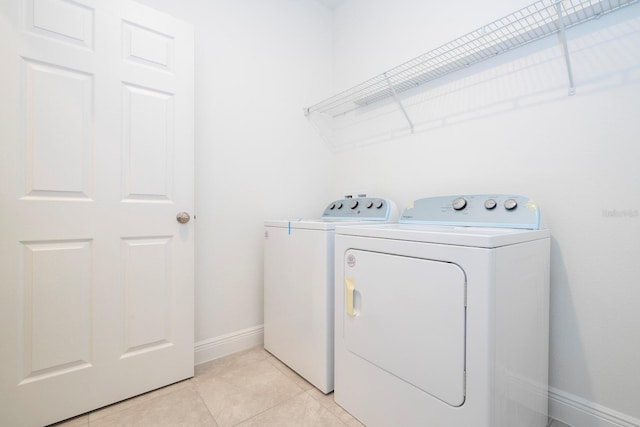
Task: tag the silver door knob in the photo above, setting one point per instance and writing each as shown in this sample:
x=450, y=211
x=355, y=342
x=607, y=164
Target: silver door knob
x=183, y=217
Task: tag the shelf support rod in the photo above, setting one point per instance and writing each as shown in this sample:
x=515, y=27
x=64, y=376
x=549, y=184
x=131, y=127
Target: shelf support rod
x=565, y=48
x=395, y=96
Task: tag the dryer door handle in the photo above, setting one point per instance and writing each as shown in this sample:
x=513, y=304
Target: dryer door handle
x=349, y=288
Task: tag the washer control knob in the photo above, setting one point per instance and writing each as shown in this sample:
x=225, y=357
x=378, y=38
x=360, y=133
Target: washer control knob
x=510, y=204
x=339, y=205
x=378, y=204
x=369, y=204
x=353, y=204
x=459, y=204
x=490, y=204
x=333, y=206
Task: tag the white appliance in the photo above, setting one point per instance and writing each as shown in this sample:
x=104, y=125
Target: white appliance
x=298, y=285
x=443, y=319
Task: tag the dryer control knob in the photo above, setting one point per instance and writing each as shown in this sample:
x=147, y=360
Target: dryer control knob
x=353, y=204
x=369, y=204
x=490, y=204
x=459, y=204
x=333, y=206
x=339, y=205
x=379, y=204
x=510, y=204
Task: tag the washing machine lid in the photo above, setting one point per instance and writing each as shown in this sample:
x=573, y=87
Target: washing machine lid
x=481, y=237
x=313, y=224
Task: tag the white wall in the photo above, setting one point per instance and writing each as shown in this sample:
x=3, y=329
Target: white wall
x=258, y=63
x=507, y=125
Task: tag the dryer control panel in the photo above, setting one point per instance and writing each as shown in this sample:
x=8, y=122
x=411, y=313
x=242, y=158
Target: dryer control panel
x=478, y=210
x=360, y=208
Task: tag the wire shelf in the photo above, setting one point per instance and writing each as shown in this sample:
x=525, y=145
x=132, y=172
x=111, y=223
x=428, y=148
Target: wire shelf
x=536, y=21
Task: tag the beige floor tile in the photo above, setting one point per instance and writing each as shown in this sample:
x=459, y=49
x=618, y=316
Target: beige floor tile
x=352, y=422
x=236, y=395
x=327, y=401
x=300, y=411
x=137, y=400
x=233, y=361
x=79, y=421
x=290, y=373
x=182, y=407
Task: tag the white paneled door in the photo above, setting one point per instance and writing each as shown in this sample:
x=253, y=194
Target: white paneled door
x=96, y=161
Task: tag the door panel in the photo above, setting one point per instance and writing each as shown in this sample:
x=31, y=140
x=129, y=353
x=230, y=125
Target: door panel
x=148, y=294
x=58, y=121
x=61, y=20
x=55, y=339
x=148, y=139
x=96, y=160
x=407, y=316
x=148, y=47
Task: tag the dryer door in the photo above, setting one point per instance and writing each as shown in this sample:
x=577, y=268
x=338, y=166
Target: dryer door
x=407, y=316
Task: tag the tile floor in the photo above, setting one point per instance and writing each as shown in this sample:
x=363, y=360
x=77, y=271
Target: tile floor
x=250, y=388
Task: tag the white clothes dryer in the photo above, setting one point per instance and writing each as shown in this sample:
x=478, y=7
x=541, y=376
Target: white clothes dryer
x=298, y=285
x=443, y=319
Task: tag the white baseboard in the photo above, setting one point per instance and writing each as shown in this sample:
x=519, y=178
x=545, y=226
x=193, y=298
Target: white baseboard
x=578, y=412
x=224, y=345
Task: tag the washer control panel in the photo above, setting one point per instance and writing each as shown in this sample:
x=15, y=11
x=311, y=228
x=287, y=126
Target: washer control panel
x=360, y=208
x=479, y=210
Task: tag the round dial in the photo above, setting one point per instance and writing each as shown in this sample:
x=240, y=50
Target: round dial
x=339, y=205
x=459, y=204
x=369, y=204
x=490, y=204
x=510, y=204
x=353, y=204
x=333, y=206
x=379, y=204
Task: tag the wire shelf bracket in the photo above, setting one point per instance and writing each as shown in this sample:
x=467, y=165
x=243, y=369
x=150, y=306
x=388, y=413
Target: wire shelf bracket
x=395, y=97
x=536, y=21
x=565, y=48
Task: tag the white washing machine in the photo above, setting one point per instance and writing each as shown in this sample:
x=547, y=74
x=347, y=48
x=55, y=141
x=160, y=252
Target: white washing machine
x=443, y=319
x=298, y=285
